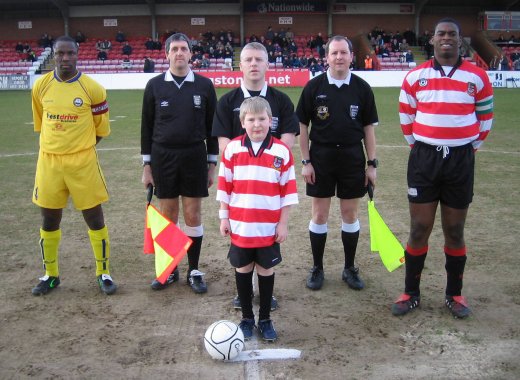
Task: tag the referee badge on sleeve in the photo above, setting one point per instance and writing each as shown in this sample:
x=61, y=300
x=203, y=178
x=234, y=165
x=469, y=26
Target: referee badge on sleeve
x=197, y=101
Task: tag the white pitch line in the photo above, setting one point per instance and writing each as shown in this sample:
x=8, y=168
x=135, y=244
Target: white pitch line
x=252, y=367
x=131, y=148
x=252, y=358
x=252, y=370
x=480, y=150
x=268, y=354
x=35, y=153
x=122, y=148
x=18, y=155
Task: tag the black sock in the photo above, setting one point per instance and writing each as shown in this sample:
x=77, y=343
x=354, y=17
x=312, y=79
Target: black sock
x=454, y=273
x=318, y=247
x=244, y=283
x=265, y=287
x=414, y=267
x=194, y=253
x=350, y=241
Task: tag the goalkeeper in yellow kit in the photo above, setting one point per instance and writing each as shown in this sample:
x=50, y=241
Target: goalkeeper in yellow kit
x=70, y=112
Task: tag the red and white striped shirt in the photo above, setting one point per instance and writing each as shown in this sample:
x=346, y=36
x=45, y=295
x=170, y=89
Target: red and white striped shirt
x=256, y=187
x=442, y=109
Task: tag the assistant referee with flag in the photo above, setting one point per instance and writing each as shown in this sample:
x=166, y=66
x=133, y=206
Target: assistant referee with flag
x=179, y=154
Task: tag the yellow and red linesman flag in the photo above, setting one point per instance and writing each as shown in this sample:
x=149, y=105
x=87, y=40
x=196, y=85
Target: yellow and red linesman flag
x=383, y=240
x=166, y=240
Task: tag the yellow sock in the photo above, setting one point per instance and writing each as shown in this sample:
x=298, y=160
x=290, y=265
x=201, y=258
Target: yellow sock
x=49, y=244
x=101, y=247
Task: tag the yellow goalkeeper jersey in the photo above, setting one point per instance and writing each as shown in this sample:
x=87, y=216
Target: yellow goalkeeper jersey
x=69, y=114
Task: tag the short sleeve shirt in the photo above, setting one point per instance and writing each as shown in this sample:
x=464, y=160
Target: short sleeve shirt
x=226, y=122
x=337, y=115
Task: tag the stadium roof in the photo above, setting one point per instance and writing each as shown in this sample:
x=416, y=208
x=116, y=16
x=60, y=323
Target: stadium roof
x=49, y=8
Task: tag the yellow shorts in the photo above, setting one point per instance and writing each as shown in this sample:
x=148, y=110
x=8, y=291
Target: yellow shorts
x=78, y=175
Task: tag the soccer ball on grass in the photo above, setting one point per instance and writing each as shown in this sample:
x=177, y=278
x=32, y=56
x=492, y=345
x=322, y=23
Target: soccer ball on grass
x=224, y=340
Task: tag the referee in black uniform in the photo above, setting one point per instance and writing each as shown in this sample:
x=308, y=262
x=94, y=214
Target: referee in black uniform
x=254, y=64
x=342, y=110
x=179, y=154
x=226, y=124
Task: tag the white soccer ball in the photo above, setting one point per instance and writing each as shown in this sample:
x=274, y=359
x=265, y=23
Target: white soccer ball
x=224, y=340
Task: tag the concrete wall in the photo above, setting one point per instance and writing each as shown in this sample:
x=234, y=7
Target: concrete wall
x=137, y=21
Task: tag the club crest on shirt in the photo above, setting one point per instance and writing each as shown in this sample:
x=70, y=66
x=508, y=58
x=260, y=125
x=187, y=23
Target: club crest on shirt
x=322, y=112
x=78, y=102
x=472, y=88
x=277, y=162
x=354, y=111
x=197, y=101
x=423, y=82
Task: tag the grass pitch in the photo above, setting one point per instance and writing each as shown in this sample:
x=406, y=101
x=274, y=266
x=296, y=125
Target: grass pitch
x=130, y=335
x=496, y=189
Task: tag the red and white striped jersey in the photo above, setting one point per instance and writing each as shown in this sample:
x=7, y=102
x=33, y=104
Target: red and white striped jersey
x=256, y=187
x=446, y=110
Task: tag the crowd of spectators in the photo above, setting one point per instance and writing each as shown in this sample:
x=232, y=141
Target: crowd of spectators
x=510, y=59
x=384, y=43
x=516, y=64
x=501, y=40
x=502, y=63
x=26, y=52
x=284, y=51
x=282, y=47
x=209, y=45
x=205, y=47
x=153, y=44
x=103, y=47
x=46, y=40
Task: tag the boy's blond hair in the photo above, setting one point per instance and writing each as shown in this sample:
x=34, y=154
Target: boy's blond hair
x=254, y=105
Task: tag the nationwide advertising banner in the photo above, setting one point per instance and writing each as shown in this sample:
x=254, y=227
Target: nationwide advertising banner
x=286, y=7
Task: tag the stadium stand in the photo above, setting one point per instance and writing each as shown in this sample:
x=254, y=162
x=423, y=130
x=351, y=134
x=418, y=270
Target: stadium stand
x=88, y=63
x=13, y=62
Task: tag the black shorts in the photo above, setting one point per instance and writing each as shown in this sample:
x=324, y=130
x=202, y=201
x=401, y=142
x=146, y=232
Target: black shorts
x=180, y=171
x=266, y=257
x=432, y=177
x=339, y=170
